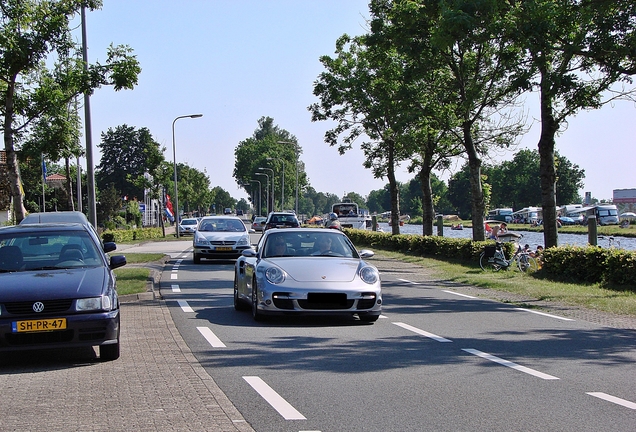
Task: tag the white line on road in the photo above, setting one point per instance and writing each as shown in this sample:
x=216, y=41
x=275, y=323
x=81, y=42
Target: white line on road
x=510, y=364
x=185, y=306
x=211, y=337
x=174, y=276
x=422, y=332
x=459, y=294
x=408, y=281
x=283, y=407
x=614, y=399
x=545, y=314
x=175, y=288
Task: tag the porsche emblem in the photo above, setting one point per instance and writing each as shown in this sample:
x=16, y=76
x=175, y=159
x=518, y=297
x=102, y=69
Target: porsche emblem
x=323, y=277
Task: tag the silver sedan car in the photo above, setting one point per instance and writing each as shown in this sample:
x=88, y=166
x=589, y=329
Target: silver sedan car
x=220, y=237
x=301, y=271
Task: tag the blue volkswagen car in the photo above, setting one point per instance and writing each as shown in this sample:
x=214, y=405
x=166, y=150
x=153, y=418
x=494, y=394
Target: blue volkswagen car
x=57, y=289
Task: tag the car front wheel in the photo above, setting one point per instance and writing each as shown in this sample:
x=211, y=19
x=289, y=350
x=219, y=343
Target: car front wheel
x=196, y=258
x=255, y=312
x=238, y=304
x=109, y=352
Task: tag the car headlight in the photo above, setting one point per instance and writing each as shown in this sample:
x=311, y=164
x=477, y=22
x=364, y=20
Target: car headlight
x=93, y=304
x=275, y=275
x=201, y=241
x=244, y=241
x=369, y=275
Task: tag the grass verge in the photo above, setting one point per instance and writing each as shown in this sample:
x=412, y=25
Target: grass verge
x=134, y=280
x=592, y=296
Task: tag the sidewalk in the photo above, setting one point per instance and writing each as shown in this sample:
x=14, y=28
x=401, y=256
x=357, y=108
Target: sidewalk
x=156, y=385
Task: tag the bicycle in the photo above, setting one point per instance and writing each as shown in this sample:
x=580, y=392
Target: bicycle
x=494, y=258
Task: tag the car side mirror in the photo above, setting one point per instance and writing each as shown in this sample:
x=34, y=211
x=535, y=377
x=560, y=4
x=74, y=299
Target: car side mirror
x=251, y=231
x=117, y=261
x=249, y=253
x=366, y=253
x=109, y=247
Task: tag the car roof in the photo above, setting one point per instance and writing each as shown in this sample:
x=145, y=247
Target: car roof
x=221, y=217
x=55, y=217
x=33, y=227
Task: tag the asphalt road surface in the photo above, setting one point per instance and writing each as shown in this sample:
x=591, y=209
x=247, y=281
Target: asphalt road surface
x=438, y=359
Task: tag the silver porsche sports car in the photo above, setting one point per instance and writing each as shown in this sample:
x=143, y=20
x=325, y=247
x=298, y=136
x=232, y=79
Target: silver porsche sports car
x=307, y=272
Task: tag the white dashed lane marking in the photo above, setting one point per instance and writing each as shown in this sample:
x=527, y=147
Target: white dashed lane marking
x=175, y=288
x=545, y=314
x=459, y=294
x=510, y=364
x=422, y=332
x=212, y=339
x=283, y=407
x=614, y=399
x=185, y=306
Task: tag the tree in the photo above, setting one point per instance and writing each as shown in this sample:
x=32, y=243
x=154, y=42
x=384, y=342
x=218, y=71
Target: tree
x=265, y=150
x=467, y=40
x=580, y=51
x=360, y=92
x=127, y=155
x=32, y=32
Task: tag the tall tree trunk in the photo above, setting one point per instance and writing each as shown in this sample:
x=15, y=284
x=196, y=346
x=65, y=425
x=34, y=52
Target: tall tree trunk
x=476, y=192
x=428, y=209
x=12, y=159
x=394, y=190
x=547, y=168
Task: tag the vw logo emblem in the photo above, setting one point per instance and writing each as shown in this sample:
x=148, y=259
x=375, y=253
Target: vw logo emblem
x=38, y=307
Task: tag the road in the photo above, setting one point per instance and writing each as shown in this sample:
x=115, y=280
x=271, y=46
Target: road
x=438, y=359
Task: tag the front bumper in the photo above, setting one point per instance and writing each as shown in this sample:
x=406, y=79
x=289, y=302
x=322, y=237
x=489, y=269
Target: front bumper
x=90, y=329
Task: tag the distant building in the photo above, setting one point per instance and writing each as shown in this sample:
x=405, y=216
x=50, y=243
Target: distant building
x=625, y=200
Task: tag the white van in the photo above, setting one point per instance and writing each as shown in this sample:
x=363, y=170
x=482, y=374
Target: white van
x=606, y=214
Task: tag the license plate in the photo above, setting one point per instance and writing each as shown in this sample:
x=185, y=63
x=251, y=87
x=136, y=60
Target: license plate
x=39, y=325
x=224, y=248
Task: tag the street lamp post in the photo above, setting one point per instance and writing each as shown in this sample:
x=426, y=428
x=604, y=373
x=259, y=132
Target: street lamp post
x=282, y=188
x=260, y=204
x=273, y=199
x=266, y=191
x=174, y=161
x=297, y=163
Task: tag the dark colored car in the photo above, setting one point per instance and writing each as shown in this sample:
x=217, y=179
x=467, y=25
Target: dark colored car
x=281, y=220
x=57, y=289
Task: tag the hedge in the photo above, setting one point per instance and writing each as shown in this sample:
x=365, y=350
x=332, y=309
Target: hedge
x=591, y=264
x=136, y=234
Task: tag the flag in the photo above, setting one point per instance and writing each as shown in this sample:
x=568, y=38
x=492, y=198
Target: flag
x=43, y=169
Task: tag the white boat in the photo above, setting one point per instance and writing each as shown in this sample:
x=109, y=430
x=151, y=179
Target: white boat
x=351, y=216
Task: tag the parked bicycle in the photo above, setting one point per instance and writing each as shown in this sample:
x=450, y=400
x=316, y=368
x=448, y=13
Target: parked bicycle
x=494, y=258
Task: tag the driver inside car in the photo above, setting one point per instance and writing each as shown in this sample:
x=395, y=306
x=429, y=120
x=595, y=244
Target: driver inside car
x=324, y=245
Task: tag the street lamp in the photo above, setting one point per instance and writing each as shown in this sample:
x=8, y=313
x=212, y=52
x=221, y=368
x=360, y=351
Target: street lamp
x=174, y=161
x=282, y=188
x=260, y=204
x=266, y=190
x=297, y=163
x=273, y=199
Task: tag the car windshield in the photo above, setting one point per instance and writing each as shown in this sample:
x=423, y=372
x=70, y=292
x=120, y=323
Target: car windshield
x=311, y=244
x=47, y=250
x=221, y=225
x=189, y=222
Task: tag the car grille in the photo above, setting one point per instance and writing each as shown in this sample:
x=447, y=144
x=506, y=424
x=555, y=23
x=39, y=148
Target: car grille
x=50, y=307
x=316, y=301
x=223, y=243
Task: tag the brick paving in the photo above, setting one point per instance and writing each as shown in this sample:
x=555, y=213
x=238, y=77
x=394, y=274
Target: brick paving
x=156, y=385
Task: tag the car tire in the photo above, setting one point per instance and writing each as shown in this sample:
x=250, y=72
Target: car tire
x=109, y=352
x=196, y=258
x=255, y=313
x=238, y=304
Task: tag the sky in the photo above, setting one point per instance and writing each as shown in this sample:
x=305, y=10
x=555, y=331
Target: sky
x=235, y=61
